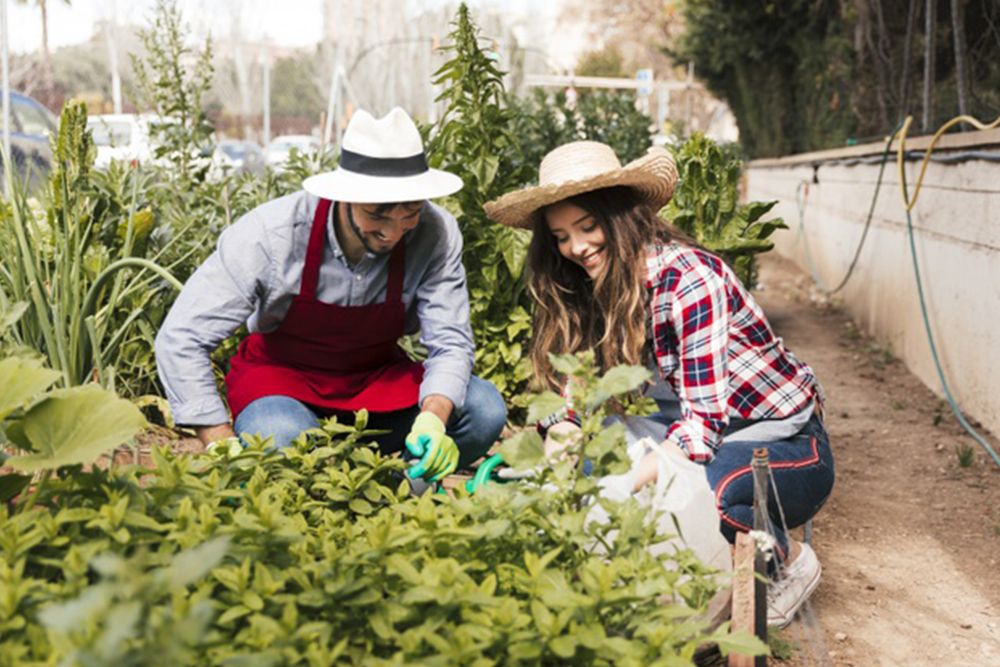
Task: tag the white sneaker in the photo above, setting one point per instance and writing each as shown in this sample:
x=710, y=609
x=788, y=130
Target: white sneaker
x=789, y=590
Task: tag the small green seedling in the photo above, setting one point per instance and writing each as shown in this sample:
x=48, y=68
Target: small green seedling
x=966, y=455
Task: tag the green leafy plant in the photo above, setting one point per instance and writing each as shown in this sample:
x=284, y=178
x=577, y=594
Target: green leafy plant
x=51, y=429
x=705, y=206
x=543, y=122
x=320, y=556
x=966, y=455
x=474, y=141
x=82, y=264
x=172, y=78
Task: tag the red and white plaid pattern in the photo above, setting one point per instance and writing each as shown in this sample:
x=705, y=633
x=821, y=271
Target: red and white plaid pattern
x=716, y=349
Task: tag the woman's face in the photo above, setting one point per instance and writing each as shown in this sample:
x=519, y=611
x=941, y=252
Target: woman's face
x=577, y=236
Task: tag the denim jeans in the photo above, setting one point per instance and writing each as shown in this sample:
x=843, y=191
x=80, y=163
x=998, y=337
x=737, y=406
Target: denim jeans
x=801, y=466
x=801, y=469
x=474, y=426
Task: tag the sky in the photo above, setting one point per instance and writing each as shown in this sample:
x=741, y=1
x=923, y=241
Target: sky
x=289, y=23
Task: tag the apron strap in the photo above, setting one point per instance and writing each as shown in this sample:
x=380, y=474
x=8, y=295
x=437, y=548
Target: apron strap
x=314, y=251
x=397, y=271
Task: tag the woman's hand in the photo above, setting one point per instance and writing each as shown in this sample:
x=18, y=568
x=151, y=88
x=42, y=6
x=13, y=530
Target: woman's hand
x=559, y=437
x=649, y=467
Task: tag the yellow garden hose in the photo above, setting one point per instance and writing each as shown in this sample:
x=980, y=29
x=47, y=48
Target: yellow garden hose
x=908, y=204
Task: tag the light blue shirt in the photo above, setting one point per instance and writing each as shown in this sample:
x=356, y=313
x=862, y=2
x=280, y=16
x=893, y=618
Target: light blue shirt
x=255, y=272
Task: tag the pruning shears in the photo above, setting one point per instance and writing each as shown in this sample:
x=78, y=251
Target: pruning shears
x=485, y=474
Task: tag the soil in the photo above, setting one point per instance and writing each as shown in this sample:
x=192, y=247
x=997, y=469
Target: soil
x=910, y=538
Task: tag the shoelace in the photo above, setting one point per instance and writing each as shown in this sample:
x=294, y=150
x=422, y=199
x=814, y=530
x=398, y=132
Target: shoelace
x=776, y=587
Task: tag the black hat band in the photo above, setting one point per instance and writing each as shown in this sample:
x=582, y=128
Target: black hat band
x=383, y=166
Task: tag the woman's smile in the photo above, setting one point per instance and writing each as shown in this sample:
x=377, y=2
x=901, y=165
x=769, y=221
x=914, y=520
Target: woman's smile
x=578, y=237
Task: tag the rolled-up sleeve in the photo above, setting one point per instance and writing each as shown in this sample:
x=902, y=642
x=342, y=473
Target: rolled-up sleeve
x=216, y=300
x=442, y=301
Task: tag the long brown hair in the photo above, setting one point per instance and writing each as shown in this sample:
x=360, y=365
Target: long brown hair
x=608, y=314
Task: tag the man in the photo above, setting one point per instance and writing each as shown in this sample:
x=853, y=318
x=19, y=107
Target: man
x=327, y=280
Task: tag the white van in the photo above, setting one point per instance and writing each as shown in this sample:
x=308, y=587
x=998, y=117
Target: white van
x=123, y=137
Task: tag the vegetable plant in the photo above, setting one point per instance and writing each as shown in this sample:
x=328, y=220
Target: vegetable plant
x=318, y=555
x=706, y=206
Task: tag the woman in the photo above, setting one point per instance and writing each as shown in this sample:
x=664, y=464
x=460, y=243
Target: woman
x=607, y=274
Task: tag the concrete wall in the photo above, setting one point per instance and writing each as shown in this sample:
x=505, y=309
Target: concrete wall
x=957, y=235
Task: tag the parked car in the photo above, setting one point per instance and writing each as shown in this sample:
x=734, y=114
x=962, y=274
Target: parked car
x=240, y=157
x=124, y=137
x=32, y=125
x=280, y=147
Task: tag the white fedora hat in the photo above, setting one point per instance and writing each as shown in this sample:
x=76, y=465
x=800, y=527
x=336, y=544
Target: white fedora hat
x=583, y=166
x=382, y=161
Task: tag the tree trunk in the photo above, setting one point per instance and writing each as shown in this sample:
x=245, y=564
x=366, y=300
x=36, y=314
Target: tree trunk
x=961, y=54
x=879, y=62
x=49, y=74
x=904, y=87
x=930, y=26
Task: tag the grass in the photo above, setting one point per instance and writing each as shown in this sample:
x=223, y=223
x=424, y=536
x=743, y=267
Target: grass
x=781, y=647
x=966, y=455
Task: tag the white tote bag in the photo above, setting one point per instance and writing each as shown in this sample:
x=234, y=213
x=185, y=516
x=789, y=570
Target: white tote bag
x=682, y=494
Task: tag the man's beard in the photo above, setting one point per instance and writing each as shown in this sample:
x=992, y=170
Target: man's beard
x=361, y=237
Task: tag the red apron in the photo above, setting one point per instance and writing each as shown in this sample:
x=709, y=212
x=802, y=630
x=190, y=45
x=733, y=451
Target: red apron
x=329, y=356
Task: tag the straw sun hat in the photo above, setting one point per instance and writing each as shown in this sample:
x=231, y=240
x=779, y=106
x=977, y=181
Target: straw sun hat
x=583, y=166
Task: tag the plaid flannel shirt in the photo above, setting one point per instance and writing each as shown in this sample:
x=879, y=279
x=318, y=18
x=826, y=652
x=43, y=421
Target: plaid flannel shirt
x=713, y=345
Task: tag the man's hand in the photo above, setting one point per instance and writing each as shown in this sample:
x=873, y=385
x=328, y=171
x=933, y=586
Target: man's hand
x=210, y=434
x=438, y=453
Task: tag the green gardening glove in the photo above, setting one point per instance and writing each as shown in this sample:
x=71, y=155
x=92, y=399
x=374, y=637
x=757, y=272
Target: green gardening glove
x=438, y=453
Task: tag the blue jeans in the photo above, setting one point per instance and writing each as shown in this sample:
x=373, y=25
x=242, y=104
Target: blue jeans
x=474, y=426
x=802, y=470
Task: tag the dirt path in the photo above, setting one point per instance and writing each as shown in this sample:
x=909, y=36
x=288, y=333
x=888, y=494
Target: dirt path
x=910, y=540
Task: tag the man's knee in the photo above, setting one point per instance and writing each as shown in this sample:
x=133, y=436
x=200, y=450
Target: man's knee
x=279, y=418
x=486, y=407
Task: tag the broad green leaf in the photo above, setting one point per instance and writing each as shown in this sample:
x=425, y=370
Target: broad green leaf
x=192, y=564
x=619, y=380
x=564, y=647
x=76, y=425
x=515, y=252
x=564, y=363
x=11, y=485
x=77, y=613
x=741, y=643
x=523, y=450
x=21, y=380
x=544, y=405
x=10, y=316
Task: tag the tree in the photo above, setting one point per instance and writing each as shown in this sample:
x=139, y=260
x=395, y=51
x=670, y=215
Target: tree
x=46, y=57
x=605, y=62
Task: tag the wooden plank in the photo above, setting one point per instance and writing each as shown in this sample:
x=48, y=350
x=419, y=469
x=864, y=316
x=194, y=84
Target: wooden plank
x=743, y=594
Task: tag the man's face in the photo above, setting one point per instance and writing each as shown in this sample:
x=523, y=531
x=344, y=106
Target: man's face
x=380, y=227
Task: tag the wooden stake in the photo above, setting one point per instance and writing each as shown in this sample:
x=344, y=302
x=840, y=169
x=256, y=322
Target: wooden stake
x=743, y=618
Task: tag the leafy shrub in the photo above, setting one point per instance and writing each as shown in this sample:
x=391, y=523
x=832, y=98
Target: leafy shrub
x=319, y=556
x=84, y=263
x=52, y=429
x=706, y=206
x=544, y=121
x=474, y=141
x=495, y=143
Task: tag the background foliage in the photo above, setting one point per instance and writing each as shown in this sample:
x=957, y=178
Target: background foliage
x=803, y=75
x=706, y=206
